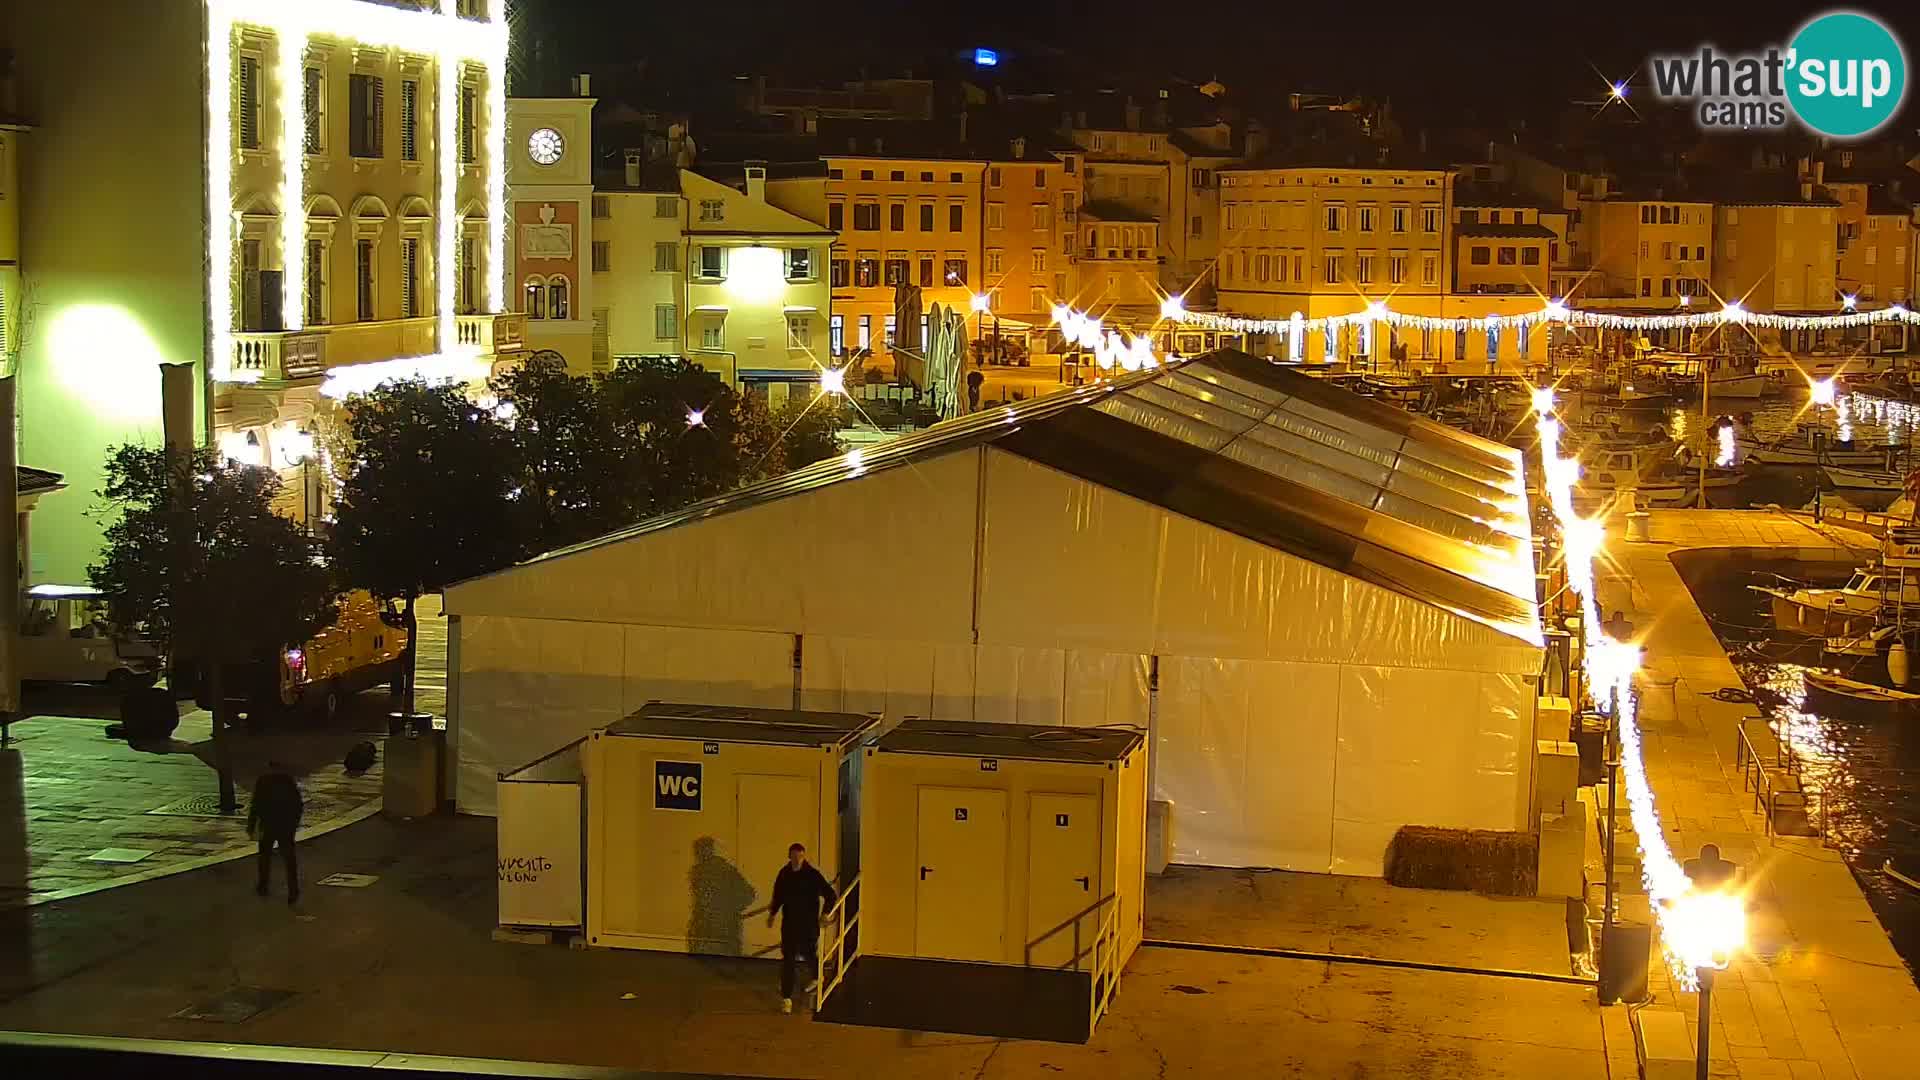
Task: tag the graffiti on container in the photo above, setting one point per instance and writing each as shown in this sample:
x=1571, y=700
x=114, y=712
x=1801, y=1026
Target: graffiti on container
x=524, y=869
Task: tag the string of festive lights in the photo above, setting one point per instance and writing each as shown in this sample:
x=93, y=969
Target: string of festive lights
x=1109, y=349
x=1555, y=311
x=1698, y=929
x=442, y=35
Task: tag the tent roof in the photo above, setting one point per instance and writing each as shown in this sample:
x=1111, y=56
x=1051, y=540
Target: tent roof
x=1256, y=449
x=743, y=724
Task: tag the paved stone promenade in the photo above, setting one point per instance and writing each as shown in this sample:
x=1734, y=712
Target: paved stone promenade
x=1823, y=994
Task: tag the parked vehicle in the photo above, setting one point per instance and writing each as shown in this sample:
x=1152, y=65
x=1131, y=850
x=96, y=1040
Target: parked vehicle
x=65, y=637
x=365, y=647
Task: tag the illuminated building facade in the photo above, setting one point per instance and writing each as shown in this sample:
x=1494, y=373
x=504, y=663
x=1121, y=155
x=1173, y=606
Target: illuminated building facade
x=555, y=249
x=297, y=199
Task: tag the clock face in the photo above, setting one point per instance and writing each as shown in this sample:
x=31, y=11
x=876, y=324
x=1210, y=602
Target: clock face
x=545, y=146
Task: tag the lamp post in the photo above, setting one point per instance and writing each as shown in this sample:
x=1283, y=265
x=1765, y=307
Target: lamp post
x=981, y=303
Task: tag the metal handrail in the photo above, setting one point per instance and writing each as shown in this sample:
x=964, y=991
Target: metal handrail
x=1756, y=775
x=1071, y=922
x=844, y=925
x=1106, y=967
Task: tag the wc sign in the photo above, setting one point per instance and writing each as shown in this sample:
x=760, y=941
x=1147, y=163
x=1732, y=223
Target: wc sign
x=676, y=785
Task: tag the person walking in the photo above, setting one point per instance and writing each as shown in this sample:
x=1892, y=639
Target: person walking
x=273, y=817
x=798, y=892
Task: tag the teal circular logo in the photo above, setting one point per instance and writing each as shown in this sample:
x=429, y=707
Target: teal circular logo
x=1847, y=74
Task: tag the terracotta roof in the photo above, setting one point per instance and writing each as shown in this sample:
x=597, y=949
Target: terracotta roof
x=1517, y=231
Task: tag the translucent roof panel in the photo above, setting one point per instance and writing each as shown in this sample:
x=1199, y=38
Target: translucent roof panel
x=1379, y=461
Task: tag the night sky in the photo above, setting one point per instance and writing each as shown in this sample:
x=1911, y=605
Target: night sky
x=1452, y=58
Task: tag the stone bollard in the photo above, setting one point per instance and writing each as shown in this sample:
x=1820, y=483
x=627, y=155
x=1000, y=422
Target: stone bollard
x=1637, y=527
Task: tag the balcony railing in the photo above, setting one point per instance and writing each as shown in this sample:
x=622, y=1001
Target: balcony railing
x=280, y=356
x=506, y=332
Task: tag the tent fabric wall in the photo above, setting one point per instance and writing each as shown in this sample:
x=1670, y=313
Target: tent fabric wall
x=529, y=686
x=772, y=566
x=1315, y=766
x=1144, y=580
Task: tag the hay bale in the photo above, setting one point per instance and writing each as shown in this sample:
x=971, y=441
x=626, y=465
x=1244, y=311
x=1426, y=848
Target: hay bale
x=1469, y=860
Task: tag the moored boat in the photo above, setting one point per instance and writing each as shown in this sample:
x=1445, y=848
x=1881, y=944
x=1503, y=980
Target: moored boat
x=1862, y=480
x=1837, y=695
x=1849, y=611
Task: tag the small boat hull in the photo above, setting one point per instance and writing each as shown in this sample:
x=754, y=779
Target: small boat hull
x=1832, y=695
x=1843, y=479
x=1795, y=616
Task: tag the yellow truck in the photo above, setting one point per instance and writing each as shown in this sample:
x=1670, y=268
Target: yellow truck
x=365, y=647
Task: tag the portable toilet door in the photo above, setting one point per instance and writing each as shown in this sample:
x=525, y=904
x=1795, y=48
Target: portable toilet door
x=961, y=898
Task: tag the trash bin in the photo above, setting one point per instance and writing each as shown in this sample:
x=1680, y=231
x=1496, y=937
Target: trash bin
x=1624, y=948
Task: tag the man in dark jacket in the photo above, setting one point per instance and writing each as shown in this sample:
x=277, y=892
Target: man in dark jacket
x=798, y=892
x=273, y=816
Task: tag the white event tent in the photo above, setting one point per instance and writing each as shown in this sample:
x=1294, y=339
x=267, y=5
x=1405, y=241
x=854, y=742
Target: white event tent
x=1320, y=608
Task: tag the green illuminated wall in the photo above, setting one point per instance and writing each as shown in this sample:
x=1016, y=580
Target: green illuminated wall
x=112, y=244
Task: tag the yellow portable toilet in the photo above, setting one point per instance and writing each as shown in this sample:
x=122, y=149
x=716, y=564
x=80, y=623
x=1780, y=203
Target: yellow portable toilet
x=691, y=809
x=1003, y=875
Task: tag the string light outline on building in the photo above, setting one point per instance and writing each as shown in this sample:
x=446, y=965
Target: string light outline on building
x=444, y=37
x=1108, y=347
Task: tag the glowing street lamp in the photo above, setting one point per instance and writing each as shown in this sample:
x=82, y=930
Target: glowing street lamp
x=1703, y=929
x=1820, y=391
x=981, y=303
x=1618, y=91
x=1173, y=308
x=832, y=381
x=1849, y=301
x=698, y=417
x=1542, y=400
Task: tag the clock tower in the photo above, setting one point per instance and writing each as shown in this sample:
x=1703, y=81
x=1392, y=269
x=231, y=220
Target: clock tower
x=550, y=197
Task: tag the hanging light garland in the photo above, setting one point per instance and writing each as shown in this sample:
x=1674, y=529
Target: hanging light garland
x=1555, y=311
x=1697, y=929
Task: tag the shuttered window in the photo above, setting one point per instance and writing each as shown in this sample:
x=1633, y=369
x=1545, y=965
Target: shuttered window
x=469, y=114
x=247, y=108
x=363, y=279
x=602, y=346
x=410, y=120
x=366, y=101
x=409, y=277
x=313, y=100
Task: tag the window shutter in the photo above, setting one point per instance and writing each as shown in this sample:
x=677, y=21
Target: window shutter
x=3, y=318
x=602, y=347
x=357, y=115
x=249, y=102
x=378, y=126
x=409, y=120
x=310, y=102
x=409, y=265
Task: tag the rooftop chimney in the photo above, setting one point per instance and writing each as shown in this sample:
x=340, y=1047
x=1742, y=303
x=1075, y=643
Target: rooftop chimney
x=1806, y=190
x=757, y=181
x=1019, y=149
x=1133, y=116
x=633, y=168
x=583, y=85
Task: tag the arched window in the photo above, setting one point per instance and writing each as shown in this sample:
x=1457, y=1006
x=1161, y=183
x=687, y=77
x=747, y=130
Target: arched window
x=536, y=298
x=557, y=298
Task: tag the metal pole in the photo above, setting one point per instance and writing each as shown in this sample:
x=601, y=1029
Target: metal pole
x=1708, y=449
x=9, y=558
x=1705, y=976
x=1613, y=802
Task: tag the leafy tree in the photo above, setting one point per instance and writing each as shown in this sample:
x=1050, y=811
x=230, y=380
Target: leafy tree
x=196, y=555
x=811, y=431
x=680, y=426
x=430, y=497
x=576, y=480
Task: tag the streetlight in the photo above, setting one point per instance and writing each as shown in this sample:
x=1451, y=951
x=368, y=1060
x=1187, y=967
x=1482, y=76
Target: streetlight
x=1704, y=928
x=981, y=303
